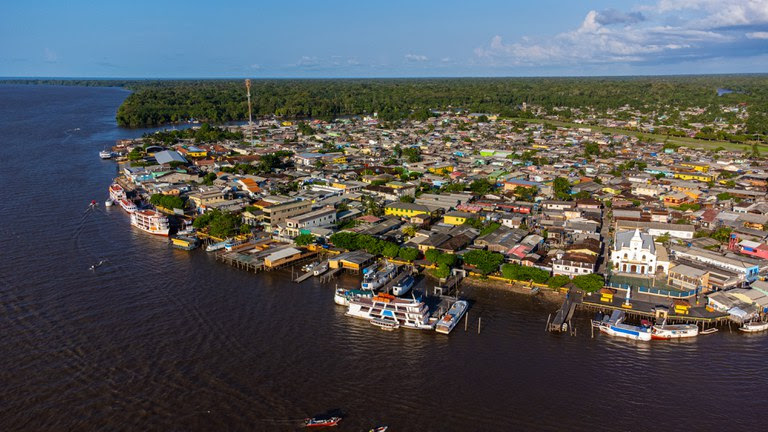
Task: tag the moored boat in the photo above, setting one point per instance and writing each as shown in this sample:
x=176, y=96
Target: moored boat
x=127, y=205
x=213, y=247
x=452, y=317
x=614, y=326
x=116, y=192
x=322, y=422
x=184, y=242
x=374, y=278
x=108, y=203
x=666, y=331
x=754, y=326
x=412, y=314
x=385, y=324
x=105, y=154
x=405, y=285
x=342, y=296
x=150, y=221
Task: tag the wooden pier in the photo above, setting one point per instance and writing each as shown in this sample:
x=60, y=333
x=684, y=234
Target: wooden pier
x=563, y=316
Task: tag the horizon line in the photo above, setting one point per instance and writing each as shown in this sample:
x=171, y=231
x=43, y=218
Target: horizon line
x=66, y=78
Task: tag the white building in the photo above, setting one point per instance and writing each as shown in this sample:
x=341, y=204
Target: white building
x=317, y=218
x=635, y=252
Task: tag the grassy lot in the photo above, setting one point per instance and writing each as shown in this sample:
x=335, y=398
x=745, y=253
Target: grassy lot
x=683, y=141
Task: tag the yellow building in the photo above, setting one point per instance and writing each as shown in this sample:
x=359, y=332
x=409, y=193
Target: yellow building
x=611, y=190
x=696, y=167
x=340, y=159
x=457, y=217
x=694, y=176
x=441, y=169
x=405, y=209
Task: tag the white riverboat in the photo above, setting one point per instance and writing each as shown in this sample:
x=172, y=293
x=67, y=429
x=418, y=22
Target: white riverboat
x=342, y=296
x=116, y=192
x=150, y=221
x=375, y=278
x=452, y=317
x=127, y=205
x=411, y=314
x=754, y=327
x=614, y=326
x=105, y=154
x=405, y=285
x=666, y=331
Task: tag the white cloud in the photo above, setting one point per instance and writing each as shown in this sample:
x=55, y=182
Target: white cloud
x=757, y=35
x=308, y=61
x=255, y=66
x=416, y=57
x=613, y=36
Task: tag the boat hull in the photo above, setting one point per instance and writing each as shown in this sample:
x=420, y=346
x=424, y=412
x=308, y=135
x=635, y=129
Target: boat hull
x=667, y=332
x=625, y=331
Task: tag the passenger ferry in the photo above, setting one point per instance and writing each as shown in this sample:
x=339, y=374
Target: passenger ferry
x=452, y=317
x=116, y=192
x=666, y=331
x=342, y=296
x=374, y=278
x=412, y=314
x=613, y=326
x=127, y=205
x=405, y=285
x=150, y=221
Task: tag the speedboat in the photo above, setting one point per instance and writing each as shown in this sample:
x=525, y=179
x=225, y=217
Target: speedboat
x=754, y=326
x=379, y=429
x=322, y=422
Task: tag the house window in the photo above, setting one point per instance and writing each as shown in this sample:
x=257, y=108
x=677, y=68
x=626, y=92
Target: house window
x=626, y=256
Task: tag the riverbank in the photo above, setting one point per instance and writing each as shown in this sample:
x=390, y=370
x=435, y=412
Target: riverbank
x=545, y=294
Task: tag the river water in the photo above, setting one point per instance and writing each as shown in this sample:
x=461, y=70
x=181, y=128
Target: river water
x=160, y=339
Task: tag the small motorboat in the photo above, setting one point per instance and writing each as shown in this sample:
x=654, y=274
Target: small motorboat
x=379, y=429
x=385, y=324
x=105, y=154
x=754, y=326
x=108, y=203
x=708, y=331
x=322, y=421
x=93, y=203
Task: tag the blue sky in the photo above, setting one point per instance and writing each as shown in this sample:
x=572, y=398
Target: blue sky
x=171, y=39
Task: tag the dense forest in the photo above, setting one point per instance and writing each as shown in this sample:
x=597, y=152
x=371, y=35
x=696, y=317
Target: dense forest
x=156, y=102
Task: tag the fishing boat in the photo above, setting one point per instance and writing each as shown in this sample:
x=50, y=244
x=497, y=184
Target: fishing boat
x=320, y=268
x=709, y=331
x=374, y=278
x=322, y=422
x=411, y=314
x=342, y=296
x=116, y=192
x=614, y=326
x=666, y=331
x=405, y=285
x=150, y=221
x=309, y=267
x=452, y=317
x=105, y=154
x=127, y=205
x=754, y=326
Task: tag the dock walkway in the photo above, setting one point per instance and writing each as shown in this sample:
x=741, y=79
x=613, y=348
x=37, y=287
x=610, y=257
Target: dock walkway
x=565, y=313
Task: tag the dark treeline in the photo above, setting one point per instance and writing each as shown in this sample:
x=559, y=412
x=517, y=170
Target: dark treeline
x=156, y=102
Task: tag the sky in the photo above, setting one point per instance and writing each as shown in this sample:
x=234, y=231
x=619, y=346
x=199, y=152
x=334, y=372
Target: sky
x=393, y=38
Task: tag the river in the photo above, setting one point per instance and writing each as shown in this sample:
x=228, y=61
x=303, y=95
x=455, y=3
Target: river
x=160, y=339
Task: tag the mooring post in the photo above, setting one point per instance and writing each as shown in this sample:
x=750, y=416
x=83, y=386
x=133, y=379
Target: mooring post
x=479, y=322
x=466, y=319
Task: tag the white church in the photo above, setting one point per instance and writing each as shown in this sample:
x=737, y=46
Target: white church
x=635, y=252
